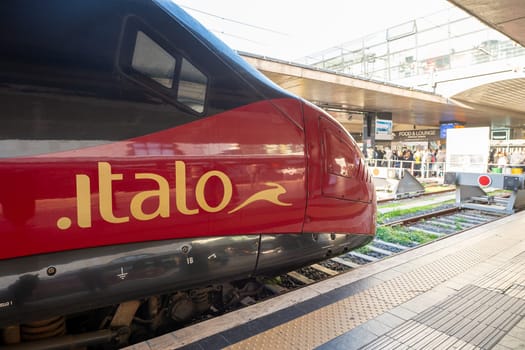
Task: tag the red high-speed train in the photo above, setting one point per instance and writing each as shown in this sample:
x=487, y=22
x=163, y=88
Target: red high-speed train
x=145, y=168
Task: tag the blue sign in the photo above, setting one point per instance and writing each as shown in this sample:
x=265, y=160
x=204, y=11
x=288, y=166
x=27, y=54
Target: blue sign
x=443, y=129
x=383, y=129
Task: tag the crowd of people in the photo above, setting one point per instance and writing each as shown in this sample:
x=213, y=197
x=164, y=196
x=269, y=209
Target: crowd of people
x=423, y=163
x=500, y=159
x=430, y=162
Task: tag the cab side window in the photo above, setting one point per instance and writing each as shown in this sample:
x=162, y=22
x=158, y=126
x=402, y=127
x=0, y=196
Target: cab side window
x=192, y=87
x=152, y=60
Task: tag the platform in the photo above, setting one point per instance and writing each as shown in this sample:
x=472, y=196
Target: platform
x=466, y=291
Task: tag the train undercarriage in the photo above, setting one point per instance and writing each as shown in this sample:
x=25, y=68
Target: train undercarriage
x=76, y=299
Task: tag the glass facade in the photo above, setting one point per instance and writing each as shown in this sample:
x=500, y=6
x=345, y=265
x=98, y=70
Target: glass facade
x=411, y=54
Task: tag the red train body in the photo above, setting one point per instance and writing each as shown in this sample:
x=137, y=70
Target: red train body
x=140, y=157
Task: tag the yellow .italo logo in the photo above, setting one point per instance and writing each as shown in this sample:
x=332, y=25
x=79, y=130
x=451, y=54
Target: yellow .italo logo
x=162, y=193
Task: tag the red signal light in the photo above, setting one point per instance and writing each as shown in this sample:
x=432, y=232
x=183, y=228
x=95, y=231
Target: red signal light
x=484, y=180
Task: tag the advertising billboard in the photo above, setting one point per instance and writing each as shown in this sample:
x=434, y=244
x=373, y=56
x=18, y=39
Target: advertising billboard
x=468, y=149
x=383, y=129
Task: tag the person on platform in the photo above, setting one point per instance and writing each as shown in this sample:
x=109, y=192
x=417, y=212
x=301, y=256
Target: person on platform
x=417, y=162
x=516, y=158
x=370, y=156
x=379, y=154
x=408, y=158
x=426, y=161
x=397, y=157
x=492, y=157
x=440, y=162
x=502, y=160
x=388, y=157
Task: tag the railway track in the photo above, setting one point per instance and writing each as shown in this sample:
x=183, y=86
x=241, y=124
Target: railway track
x=393, y=237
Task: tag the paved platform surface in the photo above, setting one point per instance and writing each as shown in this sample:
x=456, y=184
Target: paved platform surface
x=463, y=292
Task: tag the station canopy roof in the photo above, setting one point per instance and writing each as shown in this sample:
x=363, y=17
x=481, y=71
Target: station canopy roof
x=507, y=17
x=344, y=96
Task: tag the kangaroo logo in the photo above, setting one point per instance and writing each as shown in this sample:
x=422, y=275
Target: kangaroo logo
x=270, y=195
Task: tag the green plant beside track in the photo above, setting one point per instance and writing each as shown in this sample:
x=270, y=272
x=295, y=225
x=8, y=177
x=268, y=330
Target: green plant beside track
x=396, y=234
